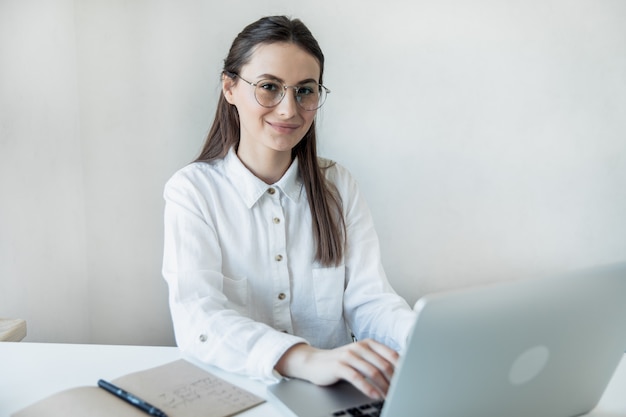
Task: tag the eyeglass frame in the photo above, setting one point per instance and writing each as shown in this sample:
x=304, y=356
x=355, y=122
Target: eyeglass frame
x=285, y=87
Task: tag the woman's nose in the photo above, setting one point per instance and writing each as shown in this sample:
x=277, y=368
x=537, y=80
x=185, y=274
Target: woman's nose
x=288, y=106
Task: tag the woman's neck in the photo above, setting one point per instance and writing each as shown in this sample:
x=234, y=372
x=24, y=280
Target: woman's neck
x=268, y=165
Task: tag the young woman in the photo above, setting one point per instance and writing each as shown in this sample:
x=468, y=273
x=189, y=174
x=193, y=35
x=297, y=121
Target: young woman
x=271, y=256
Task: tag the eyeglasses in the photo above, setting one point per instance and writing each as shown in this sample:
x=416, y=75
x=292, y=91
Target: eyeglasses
x=268, y=93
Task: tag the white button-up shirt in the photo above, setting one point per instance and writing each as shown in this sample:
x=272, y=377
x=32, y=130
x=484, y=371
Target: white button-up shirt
x=244, y=286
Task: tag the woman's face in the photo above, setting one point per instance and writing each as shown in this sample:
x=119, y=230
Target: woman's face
x=278, y=128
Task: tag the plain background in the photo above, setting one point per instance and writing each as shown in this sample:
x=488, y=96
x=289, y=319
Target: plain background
x=489, y=138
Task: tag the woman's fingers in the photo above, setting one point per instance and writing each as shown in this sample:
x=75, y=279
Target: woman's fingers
x=380, y=356
x=371, y=388
x=374, y=364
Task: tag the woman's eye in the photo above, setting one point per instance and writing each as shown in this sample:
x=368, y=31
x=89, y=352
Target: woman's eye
x=269, y=86
x=306, y=90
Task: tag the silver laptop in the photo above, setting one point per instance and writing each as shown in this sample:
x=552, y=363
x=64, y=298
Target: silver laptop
x=542, y=347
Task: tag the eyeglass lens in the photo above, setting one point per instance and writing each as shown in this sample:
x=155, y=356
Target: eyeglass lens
x=309, y=96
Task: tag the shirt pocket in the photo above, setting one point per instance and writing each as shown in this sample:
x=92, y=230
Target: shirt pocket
x=328, y=284
x=236, y=291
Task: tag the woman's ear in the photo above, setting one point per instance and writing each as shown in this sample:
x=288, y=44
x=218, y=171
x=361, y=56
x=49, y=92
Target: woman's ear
x=228, y=83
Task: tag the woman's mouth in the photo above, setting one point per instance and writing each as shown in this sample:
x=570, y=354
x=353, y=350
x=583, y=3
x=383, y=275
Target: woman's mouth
x=284, y=127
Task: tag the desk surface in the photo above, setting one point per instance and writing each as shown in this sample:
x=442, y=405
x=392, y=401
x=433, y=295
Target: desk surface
x=32, y=371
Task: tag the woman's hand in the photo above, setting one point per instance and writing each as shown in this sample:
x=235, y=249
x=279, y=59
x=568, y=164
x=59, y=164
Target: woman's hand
x=367, y=364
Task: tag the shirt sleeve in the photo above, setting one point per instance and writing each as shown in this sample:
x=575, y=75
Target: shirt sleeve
x=371, y=306
x=205, y=325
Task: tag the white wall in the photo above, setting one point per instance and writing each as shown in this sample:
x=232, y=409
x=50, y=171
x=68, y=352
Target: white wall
x=43, y=275
x=488, y=137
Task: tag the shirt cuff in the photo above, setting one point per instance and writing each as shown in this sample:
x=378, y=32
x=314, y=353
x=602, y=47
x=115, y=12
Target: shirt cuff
x=268, y=352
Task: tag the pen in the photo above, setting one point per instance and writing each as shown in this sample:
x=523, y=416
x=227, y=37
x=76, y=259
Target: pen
x=130, y=398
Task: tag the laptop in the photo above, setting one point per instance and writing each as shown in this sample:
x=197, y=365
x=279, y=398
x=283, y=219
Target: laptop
x=539, y=347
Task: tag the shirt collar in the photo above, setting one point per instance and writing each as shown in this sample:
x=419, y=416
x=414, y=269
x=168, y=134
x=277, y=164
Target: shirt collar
x=252, y=188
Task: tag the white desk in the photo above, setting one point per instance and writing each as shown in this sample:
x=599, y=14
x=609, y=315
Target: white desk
x=32, y=371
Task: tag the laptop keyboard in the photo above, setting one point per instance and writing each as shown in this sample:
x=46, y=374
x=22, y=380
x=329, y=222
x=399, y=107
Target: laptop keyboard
x=366, y=410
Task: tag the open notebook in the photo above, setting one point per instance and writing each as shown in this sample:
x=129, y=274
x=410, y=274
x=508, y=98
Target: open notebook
x=178, y=388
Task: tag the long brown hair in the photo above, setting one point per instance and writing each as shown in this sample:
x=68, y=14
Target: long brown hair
x=324, y=201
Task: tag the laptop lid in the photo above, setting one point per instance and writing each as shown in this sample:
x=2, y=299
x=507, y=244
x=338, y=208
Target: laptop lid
x=542, y=347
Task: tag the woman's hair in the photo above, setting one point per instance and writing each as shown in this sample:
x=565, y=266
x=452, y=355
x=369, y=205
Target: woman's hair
x=324, y=201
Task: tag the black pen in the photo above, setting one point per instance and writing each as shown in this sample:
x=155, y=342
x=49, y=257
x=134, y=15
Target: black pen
x=130, y=398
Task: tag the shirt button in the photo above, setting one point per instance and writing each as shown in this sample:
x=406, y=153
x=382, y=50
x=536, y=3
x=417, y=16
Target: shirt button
x=271, y=191
x=202, y=338
x=276, y=220
x=282, y=296
x=279, y=258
